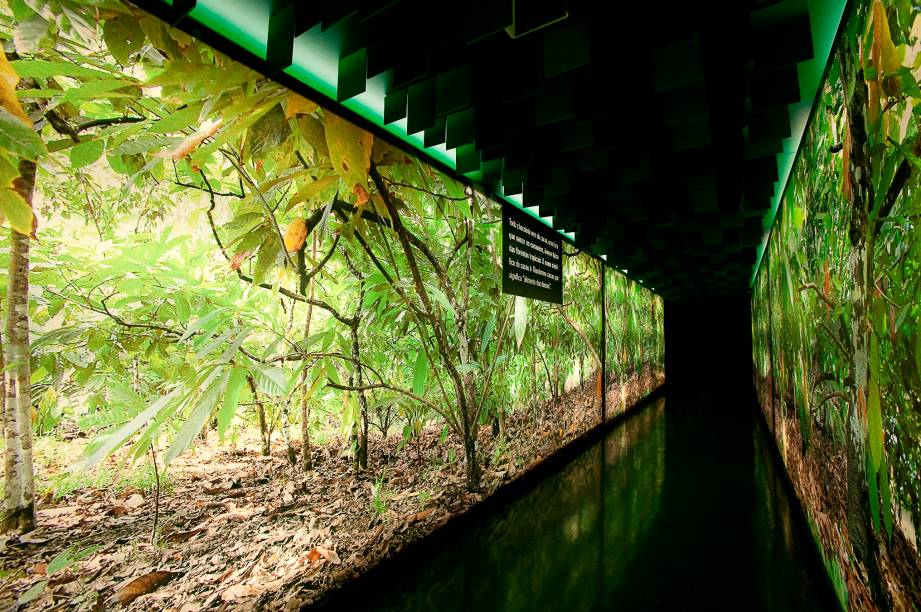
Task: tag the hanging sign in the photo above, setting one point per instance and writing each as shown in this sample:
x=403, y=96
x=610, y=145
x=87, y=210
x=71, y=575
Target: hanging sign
x=532, y=257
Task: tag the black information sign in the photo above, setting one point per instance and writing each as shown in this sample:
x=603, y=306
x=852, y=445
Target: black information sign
x=532, y=257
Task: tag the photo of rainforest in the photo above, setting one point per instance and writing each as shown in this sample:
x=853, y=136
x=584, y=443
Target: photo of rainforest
x=250, y=349
x=837, y=317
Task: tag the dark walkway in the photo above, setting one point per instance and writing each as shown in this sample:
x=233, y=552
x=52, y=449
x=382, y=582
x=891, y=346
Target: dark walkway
x=679, y=507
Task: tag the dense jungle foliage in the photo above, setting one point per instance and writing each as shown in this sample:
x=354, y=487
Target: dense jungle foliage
x=837, y=328
x=195, y=251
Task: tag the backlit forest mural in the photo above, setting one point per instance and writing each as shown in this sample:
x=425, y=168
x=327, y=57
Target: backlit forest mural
x=238, y=326
x=837, y=318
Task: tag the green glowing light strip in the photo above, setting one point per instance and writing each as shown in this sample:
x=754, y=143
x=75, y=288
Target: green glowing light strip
x=825, y=18
x=315, y=63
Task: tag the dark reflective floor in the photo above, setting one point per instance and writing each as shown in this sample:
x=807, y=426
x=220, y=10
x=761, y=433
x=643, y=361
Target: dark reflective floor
x=679, y=506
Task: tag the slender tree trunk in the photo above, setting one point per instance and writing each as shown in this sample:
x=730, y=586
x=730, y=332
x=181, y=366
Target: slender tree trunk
x=290, y=453
x=306, y=459
x=19, y=492
x=361, y=456
x=861, y=535
x=264, y=435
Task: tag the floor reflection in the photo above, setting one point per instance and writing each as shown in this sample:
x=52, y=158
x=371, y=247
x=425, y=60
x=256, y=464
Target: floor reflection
x=678, y=506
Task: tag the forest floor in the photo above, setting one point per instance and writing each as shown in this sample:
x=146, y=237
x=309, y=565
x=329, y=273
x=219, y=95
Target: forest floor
x=820, y=479
x=239, y=530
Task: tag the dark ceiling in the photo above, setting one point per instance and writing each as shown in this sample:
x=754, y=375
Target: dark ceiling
x=653, y=131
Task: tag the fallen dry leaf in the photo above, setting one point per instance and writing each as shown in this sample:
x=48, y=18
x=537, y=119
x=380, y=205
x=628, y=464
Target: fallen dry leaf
x=418, y=516
x=142, y=585
x=135, y=501
x=182, y=536
x=329, y=555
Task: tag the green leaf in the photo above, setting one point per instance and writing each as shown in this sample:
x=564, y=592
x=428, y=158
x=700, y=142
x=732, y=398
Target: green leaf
x=29, y=34
x=520, y=324
x=44, y=69
x=874, y=424
x=86, y=153
x=194, y=423
x=94, y=90
x=15, y=211
x=271, y=379
x=108, y=445
x=176, y=121
x=441, y=298
x=182, y=308
x=60, y=561
x=466, y=368
x=265, y=259
x=18, y=138
x=123, y=36
x=487, y=332
x=873, y=494
x=421, y=372
x=32, y=594
x=231, y=400
x=201, y=322
x=886, y=498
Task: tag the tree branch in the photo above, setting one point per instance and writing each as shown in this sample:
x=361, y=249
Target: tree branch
x=818, y=291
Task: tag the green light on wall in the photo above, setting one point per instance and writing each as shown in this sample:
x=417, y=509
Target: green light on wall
x=825, y=19
x=315, y=63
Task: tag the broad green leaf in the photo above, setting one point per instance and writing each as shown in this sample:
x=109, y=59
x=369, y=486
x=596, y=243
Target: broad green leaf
x=466, y=368
x=33, y=593
x=874, y=424
x=312, y=190
x=182, y=307
x=873, y=492
x=885, y=498
x=18, y=138
x=201, y=322
x=86, y=153
x=231, y=399
x=420, y=373
x=30, y=34
x=59, y=562
x=123, y=36
x=177, y=120
x=439, y=296
x=487, y=332
x=271, y=380
x=265, y=259
x=520, y=324
x=94, y=90
x=44, y=69
x=195, y=421
x=119, y=435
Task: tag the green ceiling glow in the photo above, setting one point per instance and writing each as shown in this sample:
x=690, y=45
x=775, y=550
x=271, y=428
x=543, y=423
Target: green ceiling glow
x=825, y=19
x=315, y=63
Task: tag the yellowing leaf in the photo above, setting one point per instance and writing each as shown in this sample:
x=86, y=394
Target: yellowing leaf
x=298, y=105
x=349, y=149
x=16, y=211
x=190, y=142
x=361, y=195
x=8, y=81
x=884, y=54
